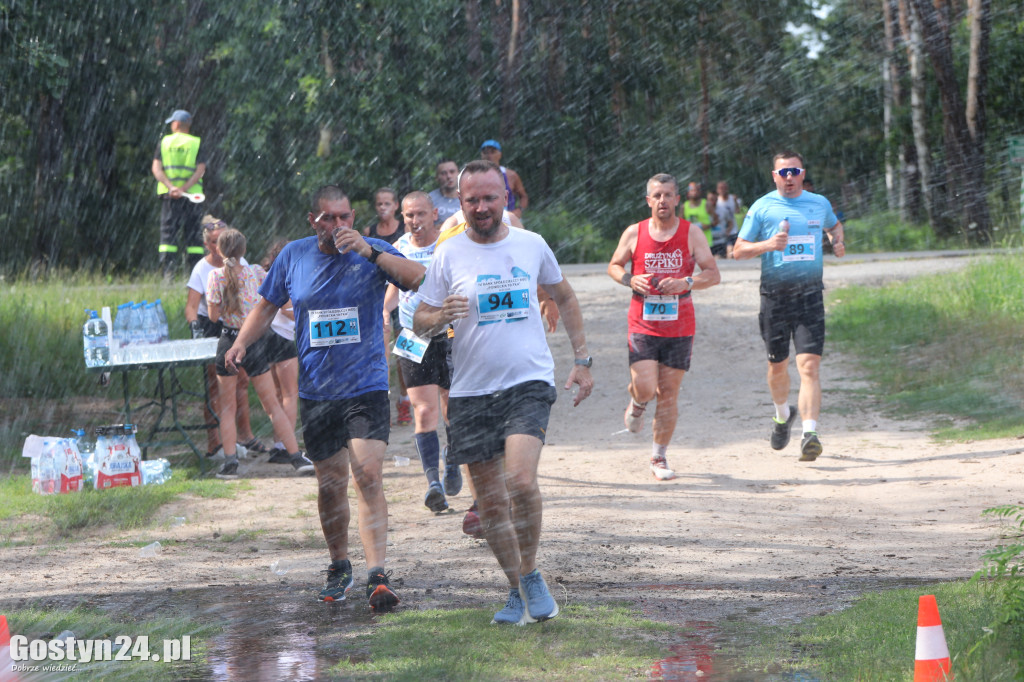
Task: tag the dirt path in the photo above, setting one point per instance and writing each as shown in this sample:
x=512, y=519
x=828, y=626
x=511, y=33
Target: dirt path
x=742, y=530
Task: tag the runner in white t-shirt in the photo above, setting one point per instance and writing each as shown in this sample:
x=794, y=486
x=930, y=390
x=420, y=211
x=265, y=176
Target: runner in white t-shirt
x=484, y=282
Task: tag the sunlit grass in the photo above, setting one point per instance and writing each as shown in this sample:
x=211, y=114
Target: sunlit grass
x=875, y=638
x=607, y=642
x=124, y=508
x=946, y=344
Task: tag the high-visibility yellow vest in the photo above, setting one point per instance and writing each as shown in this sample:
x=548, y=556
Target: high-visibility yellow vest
x=178, y=153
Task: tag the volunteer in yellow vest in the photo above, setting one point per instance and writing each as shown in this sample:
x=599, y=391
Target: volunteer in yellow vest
x=699, y=210
x=178, y=166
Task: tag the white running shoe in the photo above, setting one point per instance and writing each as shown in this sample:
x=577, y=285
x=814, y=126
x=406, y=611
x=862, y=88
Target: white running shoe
x=634, y=417
x=659, y=467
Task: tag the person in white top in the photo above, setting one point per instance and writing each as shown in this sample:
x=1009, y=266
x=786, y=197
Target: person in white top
x=423, y=362
x=484, y=282
x=197, y=316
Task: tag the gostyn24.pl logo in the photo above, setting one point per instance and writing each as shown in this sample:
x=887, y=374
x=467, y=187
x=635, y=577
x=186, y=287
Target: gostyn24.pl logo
x=71, y=650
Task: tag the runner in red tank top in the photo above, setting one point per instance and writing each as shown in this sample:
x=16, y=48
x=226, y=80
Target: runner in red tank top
x=662, y=252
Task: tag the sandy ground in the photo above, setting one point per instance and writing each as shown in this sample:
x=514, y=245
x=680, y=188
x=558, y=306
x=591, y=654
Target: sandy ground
x=743, y=530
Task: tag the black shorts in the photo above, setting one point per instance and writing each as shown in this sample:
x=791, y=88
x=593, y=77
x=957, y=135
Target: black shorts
x=279, y=348
x=671, y=351
x=798, y=316
x=255, y=361
x=432, y=370
x=328, y=425
x=480, y=424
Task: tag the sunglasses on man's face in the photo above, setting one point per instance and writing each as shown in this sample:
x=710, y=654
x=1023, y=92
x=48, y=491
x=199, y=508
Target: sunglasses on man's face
x=787, y=172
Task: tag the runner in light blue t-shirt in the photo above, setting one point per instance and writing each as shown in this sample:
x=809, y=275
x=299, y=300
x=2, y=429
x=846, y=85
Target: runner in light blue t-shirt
x=785, y=229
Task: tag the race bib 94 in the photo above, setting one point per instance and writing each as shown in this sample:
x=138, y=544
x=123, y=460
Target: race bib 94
x=503, y=299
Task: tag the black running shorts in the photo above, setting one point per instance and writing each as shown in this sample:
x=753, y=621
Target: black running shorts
x=797, y=316
x=328, y=425
x=480, y=424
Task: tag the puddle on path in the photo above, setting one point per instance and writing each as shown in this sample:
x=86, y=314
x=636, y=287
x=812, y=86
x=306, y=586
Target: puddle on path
x=697, y=659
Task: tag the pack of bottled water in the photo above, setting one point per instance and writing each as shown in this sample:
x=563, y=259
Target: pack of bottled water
x=118, y=457
x=56, y=464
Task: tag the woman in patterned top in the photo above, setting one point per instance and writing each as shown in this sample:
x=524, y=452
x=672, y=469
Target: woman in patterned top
x=231, y=294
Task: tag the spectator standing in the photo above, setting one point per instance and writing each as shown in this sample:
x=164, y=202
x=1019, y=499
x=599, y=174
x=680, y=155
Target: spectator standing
x=178, y=166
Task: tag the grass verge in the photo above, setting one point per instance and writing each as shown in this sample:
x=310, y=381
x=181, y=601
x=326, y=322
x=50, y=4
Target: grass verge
x=875, y=638
x=946, y=344
x=125, y=507
x=88, y=624
x=607, y=642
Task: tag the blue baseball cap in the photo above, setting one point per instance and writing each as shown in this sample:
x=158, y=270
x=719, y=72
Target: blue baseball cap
x=491, y=143
x=180, y=115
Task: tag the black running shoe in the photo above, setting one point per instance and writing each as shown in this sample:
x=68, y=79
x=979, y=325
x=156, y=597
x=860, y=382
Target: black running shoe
x=230, y=469
x=810, y=447
x=379, y=592
x=339, y=579
x=780, y=430
x=279, y=456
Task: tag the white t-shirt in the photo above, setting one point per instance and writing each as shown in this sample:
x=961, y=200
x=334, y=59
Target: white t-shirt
x=409, y=300
x=508, y=346
x=197, y=282
x=283, y=325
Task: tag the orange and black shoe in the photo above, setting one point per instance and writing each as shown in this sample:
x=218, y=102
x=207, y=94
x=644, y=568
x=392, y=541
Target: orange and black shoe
x=379, y=592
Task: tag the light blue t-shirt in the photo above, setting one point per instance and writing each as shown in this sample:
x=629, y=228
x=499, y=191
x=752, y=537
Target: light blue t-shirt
x=799, y=266
x=339, y=332
x=446, y=206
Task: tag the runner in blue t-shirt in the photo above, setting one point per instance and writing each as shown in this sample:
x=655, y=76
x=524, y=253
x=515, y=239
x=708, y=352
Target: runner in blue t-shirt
x=336, y=282
x=785, y=229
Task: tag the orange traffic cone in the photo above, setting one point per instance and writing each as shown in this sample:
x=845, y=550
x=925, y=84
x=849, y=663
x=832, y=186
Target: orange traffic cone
x=931, y=658
x=6, y=662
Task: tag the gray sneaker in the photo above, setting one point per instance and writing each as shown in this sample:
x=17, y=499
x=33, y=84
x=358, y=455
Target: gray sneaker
x=810, y=447
x=540, y=605
x=513, y=612
x=780, y=430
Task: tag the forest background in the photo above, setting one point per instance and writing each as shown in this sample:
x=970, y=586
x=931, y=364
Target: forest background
x=902, y=109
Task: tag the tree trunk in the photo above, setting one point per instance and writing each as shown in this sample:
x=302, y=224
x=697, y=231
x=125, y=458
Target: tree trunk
x=979, y=12
x=474, y=51
x=510, y=73
x=911, y=29
x=965, y=160
x=889, y=86
x=705, y=101
x=323, y=147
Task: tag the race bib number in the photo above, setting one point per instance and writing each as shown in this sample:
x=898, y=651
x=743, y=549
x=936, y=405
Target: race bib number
x=333, y=327
x=503, y=299
x=410, y=346
x=799, y=248
x=661, y=308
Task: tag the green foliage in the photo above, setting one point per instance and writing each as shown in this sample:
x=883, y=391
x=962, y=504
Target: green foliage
x=1003, y=580
x=585, y=642
x=943, y=344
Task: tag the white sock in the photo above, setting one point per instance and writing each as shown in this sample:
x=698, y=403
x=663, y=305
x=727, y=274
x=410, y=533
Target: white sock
x=810, y=425
x=658, y=451
x=782, y=412
x=279, y=445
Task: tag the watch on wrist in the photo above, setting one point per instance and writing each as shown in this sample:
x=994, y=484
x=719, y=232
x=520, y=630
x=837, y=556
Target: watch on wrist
x=375, y=251
x=584, y=362
x=689, y=282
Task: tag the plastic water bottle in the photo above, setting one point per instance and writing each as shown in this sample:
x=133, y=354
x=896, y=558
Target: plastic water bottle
x=155, y=471
x=151, y=324
x=161, y=316
x=96, y=341
x=135, y=330
x=121, y=323
x=47, y=473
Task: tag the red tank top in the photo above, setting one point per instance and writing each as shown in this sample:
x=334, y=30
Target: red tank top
x=663, y=259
